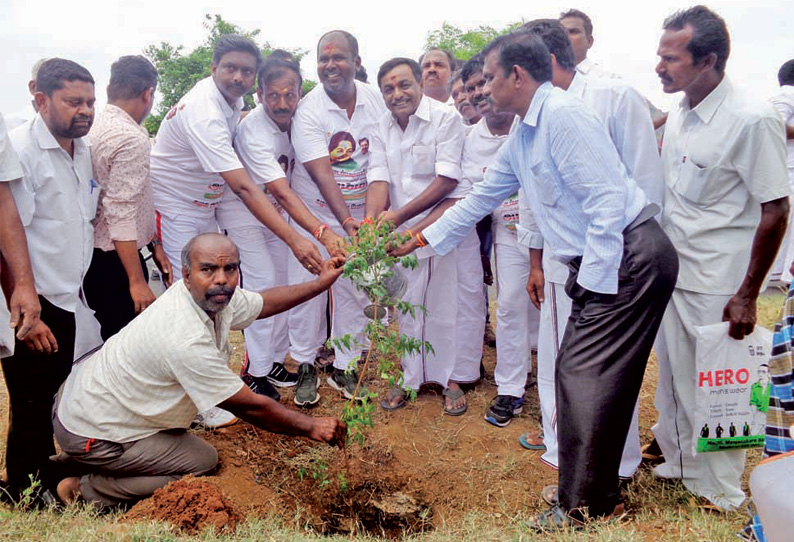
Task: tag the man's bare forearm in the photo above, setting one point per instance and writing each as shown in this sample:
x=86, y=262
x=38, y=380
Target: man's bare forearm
x=13, y=243
x=435, y=192
x=130, y=259
x=377, y=199
x=766, y=242
x=294, y=206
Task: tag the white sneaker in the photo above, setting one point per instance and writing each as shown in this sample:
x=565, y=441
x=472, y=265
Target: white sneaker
x=214, y=418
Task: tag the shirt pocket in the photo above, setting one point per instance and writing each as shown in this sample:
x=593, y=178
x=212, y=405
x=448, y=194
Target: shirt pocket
x=700, y=185
x=423, y=160
x=546, y=187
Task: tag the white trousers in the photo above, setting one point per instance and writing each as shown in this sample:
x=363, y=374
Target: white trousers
x=432, y=284
x=554, y=314
x=770, y=485
x=517, y=319
x=175, y=231
x=714, y=475
x=307, y=321
x=263, y=263
x=471, y=311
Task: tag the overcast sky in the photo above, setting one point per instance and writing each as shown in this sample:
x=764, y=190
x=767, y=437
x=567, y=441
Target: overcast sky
x=94, y=33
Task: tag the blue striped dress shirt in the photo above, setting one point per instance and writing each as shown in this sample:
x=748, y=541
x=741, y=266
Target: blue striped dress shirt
x=577, y=188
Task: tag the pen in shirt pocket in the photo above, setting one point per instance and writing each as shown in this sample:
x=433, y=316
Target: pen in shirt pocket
x=92, y=185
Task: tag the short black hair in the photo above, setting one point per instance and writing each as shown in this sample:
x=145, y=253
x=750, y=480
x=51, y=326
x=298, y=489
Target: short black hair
x=389, y=65
x=581, y=15
x=229, y=43
x=55, y=71
x=785, y=76
x=710, y=34
x=522, y=49
x=556, y=39
x=131, y=76
x=361, y=74
x=275, y=64
x=453, y=62
x=472, y=66
x=352, y=42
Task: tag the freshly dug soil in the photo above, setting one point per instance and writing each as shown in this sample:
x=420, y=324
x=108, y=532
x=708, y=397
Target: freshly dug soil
x=191, y=504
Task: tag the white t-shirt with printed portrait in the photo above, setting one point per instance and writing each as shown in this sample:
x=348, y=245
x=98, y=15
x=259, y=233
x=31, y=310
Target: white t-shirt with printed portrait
x=267, y=155
x=192, y=148
x=321, y=128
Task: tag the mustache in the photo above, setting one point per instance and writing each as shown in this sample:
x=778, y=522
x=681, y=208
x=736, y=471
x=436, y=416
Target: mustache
x=81, y=118
x=219, y=290
x=282, y=111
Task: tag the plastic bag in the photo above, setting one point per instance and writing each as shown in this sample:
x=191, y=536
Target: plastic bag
x=732, y=381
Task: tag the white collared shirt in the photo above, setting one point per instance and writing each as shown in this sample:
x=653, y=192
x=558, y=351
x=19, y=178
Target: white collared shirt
x=267, y=155
x=784, y=103
x=166, y=365
x=317, y=123
x=193, y=146
x=57, y=200
x=594, y=69
x=721, y=160
x=10, y=170
x=479, y=151
x=409, y=161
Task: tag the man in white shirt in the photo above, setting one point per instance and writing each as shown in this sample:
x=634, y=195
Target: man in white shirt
x=26, y=115
x=784, y=103
x=263, y=144
x=580, y=32
x=460, y=99
x=725, y=210
x=14, y=258
x=331, y=133
x=56, y=198
x=193, y=158
x=415, y=165
x=438, y=66
x=124, y=411
x=516, y=319
x=624, y=113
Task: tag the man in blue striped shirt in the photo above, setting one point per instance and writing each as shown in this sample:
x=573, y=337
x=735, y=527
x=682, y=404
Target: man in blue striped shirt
x=622, y=266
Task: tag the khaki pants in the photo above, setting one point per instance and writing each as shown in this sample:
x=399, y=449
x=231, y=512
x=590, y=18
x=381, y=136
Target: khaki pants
x=122, y=474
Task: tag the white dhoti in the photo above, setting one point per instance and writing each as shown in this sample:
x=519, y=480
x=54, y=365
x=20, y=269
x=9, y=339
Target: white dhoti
x=517, y=320
x=554, y=313
x=432, y=284
x=263, y=264
x=175, y=230
x=471, y=311
x=713, y=475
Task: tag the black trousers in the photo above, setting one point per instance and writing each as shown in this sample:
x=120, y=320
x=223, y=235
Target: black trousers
x=107, y=291
x=601, y=364
x=33, y=379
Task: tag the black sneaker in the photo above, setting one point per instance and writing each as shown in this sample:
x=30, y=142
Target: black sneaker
x=306, y=393
x=279, y=376
x=503, y=408
x=261, y=385
x=345, y=382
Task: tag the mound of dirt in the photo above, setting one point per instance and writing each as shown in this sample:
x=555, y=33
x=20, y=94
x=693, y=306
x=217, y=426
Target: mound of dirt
x=191, y=505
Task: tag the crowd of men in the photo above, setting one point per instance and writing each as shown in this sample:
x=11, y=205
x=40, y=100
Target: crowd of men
x=605, y=244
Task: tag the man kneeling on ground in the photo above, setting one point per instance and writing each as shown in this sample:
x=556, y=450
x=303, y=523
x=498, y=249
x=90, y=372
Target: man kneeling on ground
x=123, y=412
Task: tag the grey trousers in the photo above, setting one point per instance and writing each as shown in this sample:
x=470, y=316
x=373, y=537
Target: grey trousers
x=601, y=364
x=122, y=474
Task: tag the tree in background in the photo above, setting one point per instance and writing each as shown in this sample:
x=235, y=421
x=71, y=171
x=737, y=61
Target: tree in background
x=464, y=44
x=178, y=72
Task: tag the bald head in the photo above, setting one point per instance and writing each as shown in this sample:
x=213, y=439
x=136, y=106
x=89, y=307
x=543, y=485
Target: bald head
x=211, y=271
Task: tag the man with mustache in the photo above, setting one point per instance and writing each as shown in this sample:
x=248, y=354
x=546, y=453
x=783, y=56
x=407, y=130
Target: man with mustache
x=123, y=413
x=193, y=158
x=460, y=100
x=725, y=210
x=437, y=67
x=334, y=193
x=415, y=165
x=263, y=144
x=57, y=199
x=624, y=113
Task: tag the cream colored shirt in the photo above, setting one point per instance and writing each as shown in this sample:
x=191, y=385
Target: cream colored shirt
x=160, y=370
x=722, y=160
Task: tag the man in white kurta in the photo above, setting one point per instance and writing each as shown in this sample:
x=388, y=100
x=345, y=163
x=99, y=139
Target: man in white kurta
x=330, y=177
x=624, y=113
x=784, y=103
x=416, y=164
x=725, y=210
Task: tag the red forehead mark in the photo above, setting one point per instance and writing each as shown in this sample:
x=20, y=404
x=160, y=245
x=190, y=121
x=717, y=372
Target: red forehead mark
x=393, y=78
x=329, y=48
